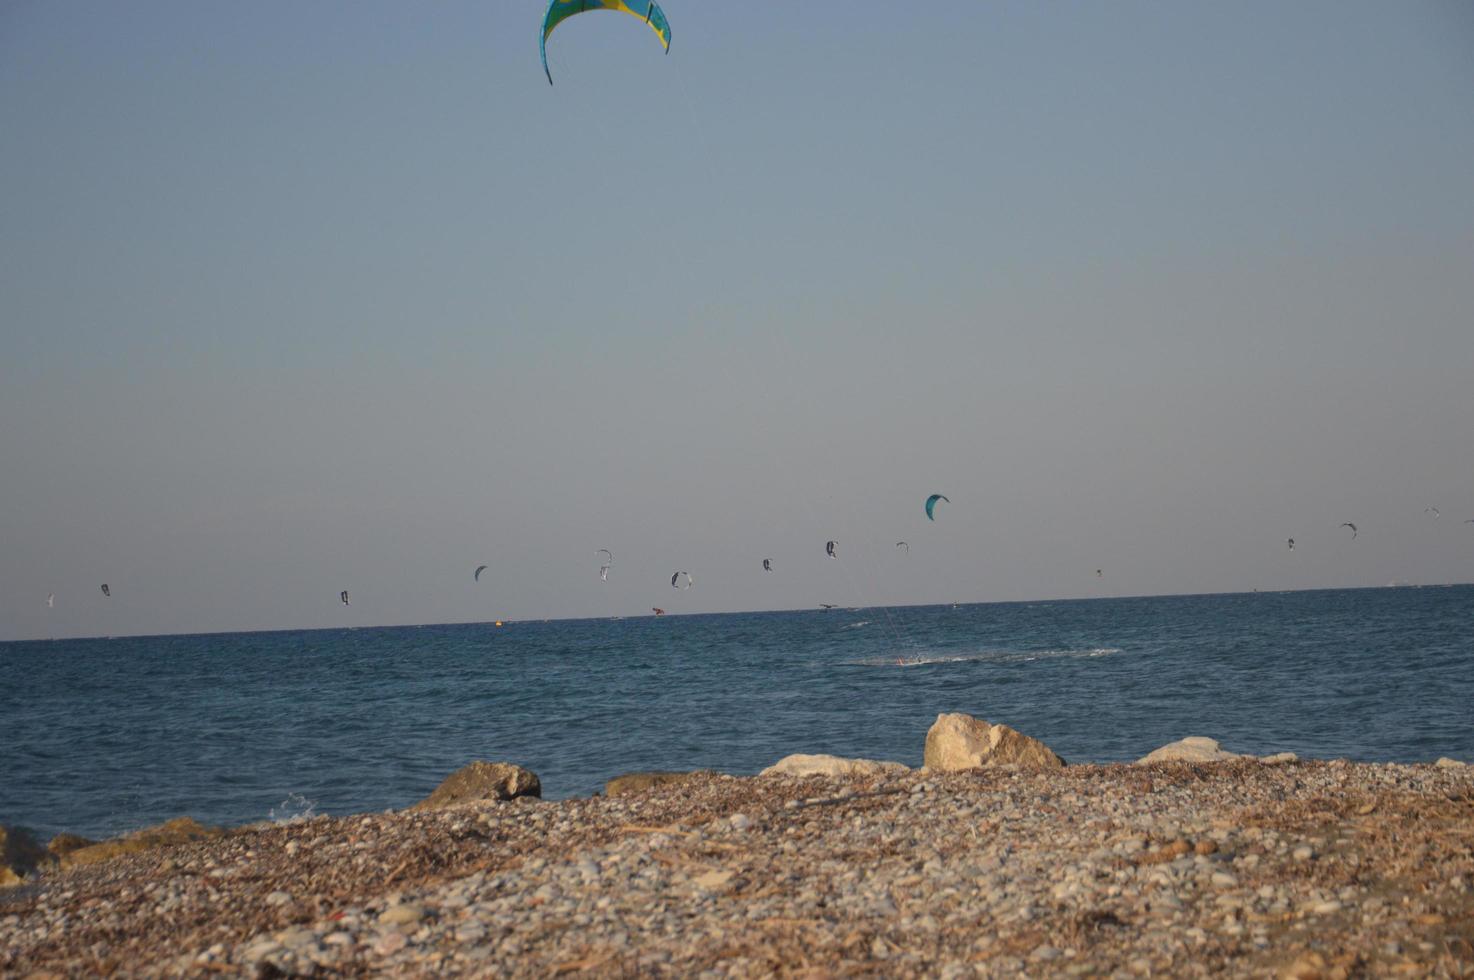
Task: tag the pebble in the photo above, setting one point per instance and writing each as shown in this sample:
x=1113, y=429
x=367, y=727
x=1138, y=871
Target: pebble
x=978, y=868
x=397, y=915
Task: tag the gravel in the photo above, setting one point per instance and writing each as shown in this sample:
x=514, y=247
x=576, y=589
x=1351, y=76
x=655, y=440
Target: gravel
x=1299, y=869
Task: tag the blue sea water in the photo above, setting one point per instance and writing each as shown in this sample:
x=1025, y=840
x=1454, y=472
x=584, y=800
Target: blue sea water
x=103, y=736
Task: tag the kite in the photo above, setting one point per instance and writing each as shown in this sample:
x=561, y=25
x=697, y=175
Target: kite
x=931, y=502
x=51, y=600
x=829, y=550
x=344, y=596
x=902, y=544
x=767, y=564
x=1353, y=528
x=560, y=10
x=676, y=578
x=106, y=591
x=1292, y=544
x=476, y=576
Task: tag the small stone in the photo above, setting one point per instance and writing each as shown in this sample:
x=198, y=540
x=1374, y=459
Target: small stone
x=1223, y=879
x=397, y=915
x=296, y=939
x=261, y=949
x=390, y=943
x=1303, y=853
x=278, y=898
x=1307, y=967
x=740, y=821
x=712, y=880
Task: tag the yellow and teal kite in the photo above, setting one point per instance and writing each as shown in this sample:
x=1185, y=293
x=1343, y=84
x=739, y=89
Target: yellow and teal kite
x=560, y=10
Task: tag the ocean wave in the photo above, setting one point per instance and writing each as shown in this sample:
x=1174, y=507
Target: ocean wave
x=294, y=809
x=985, y=656
x=857, y=625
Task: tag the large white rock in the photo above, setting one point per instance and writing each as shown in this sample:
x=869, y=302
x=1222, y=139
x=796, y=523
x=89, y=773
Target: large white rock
x=1194, y=748
x=829, y=765
x=957, y=741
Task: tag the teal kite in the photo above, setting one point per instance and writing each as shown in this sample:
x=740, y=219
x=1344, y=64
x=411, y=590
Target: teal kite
x=931, y=502
x=560, y=10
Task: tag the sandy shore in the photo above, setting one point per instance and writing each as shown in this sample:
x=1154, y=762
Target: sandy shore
x=1301, y=869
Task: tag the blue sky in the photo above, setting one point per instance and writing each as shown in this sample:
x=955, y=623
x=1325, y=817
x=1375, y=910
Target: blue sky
x=297, y=299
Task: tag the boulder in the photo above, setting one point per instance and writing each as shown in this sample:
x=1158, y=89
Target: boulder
x=1278, y=758
x=1447, y=763
x=180, y=830
x=956, y=742
x=829, y=765
x=638, y=782
x=1194, y=748
x=20, y=855
x=64, y=844
x=482, y=781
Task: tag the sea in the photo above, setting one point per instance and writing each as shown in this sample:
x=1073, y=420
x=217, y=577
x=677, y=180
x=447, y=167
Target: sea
x=102, y=736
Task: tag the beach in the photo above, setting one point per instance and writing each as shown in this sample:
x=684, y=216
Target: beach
x=1239, y=868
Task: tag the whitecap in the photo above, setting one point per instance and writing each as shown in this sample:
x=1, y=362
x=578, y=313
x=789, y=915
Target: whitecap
x=294, y=809
x=926, y=658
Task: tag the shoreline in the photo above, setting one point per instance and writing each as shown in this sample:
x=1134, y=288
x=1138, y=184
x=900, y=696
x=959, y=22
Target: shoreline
x=1300, y=868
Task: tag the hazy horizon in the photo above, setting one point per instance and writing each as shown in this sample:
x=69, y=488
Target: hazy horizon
x=297, y=300
x=506, y=623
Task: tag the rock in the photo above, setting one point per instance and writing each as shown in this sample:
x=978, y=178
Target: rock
x=1447, y=763
x=20, y=855
x=180, y=830
x=957, y=741
x=1165, y=854
x=638, y=782
x=1194, y=748
x=482, y=781
x=64, y=844
x=400, y=915
x=829, y=765
x=1278, y=758
x=712, y=880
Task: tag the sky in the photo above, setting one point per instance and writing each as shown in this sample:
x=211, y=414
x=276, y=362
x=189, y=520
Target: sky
x=303, y=298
